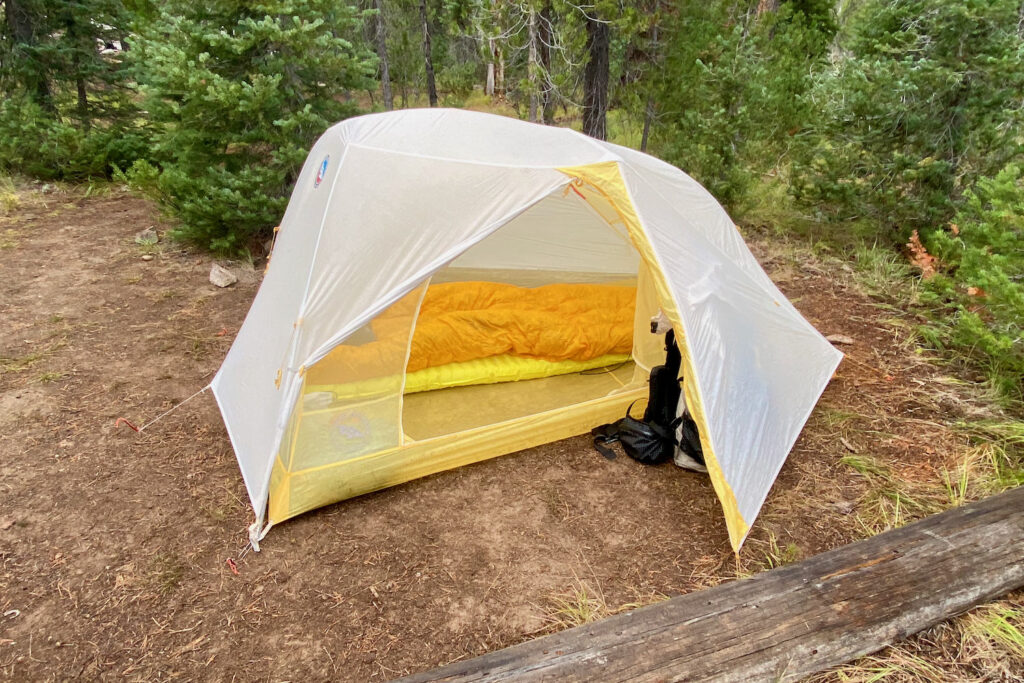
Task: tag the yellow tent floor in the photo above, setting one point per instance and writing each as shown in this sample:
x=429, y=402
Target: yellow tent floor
x=456, y=409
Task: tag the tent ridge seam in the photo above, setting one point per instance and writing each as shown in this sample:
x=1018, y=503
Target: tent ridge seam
x=456, y=160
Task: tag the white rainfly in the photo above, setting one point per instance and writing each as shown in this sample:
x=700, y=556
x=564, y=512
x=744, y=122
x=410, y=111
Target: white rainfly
x=386, y=201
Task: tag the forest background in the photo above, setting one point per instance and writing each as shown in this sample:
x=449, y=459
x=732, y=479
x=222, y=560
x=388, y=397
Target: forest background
x=886, y=131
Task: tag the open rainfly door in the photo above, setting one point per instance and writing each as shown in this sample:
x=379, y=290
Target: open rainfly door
x=364, y=227
x=524, y=338
x=753, y=367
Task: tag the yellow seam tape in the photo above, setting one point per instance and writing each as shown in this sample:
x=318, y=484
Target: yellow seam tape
x=280, y=490
x=607, y=180
x=280, y=486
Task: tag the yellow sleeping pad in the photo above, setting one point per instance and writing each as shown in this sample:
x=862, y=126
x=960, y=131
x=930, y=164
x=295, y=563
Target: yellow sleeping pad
x=505, y=368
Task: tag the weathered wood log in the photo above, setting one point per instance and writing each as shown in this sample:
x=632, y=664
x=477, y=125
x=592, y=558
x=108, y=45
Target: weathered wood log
x=789, y=622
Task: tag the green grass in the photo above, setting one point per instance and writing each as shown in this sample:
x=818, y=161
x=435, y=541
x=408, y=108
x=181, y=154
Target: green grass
x=885, y=273
x=992, y=464
x=867, y=466
x=999, y=451
x=15, y=364
x=9, y=238
x=987, y=644
x=624, y=128
x=9, y=200
x=998, y=627
x=52, y=376
x=891, y=502
x=777, y=556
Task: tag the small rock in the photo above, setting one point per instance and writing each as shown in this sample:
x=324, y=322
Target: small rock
x=221, y=276
x=843, y=507
x=839, y=339
x=6, y=523
x=147, y=257
x=147, y=237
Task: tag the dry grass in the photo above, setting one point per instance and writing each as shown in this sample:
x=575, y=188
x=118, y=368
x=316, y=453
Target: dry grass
x=200, y=343
x=992, y=462
x=167, y=572
x=975, y=451
x=9, y=238
x=583, y=603
x=9, y=199
x=986, y=644
x=16, y=364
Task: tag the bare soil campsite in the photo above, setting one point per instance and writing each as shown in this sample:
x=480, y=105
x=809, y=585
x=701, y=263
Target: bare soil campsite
x=122, y=555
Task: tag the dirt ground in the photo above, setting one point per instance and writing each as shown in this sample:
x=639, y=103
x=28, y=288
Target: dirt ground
x=115, y=546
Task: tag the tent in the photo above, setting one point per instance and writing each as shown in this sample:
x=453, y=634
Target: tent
x=448, y=286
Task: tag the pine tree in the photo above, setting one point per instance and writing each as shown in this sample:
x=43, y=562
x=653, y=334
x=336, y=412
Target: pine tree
x=731, y=89
x=68, y=109
x=927, y=100
x=240, y=90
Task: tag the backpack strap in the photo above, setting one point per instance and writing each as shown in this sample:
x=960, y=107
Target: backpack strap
x=601, y=445
x=667, y=434
x=607, y=434
x=604, y=435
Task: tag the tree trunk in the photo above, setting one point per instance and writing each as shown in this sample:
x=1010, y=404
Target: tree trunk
x=544, y=34
x=499, y=75
x=495, y=86
x=19, y=19
x=531, y=65
x=489, y=86
x=83, y=104
x=489, y=82
x=382, y=56
x=428, y=61
x=767, y=6
x=595, y=79
x=77, y=47
x=649, y=109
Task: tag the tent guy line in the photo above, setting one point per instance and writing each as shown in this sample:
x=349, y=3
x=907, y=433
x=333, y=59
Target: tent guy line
x=161, y=415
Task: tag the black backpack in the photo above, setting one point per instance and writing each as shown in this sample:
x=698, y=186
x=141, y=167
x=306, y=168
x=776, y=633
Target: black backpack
x=652, y=440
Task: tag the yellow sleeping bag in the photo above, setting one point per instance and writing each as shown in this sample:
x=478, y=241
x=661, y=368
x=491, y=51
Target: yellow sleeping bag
x=461, y=322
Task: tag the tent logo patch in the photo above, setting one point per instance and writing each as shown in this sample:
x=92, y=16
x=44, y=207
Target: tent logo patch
x=322, y=171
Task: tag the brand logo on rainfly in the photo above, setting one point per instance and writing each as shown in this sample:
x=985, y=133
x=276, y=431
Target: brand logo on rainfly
x=322, y=171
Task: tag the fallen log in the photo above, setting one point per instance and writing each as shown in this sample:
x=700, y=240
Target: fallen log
x=790, y=622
